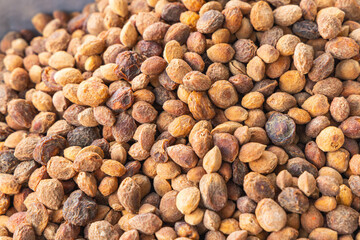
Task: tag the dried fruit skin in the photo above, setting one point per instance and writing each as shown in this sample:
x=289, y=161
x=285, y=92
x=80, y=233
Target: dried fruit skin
x=306, y=29
x=82, y=136
x=21, y=112
x=8, y=161
x=296, y=166
x=257, y=187
x=102, y=230
x=210, y=21
x=183, y=155
x=24, y=231
x=9, y=185
x=323, y=65
x=37, y=216
x=228, y=146
x=342, y=48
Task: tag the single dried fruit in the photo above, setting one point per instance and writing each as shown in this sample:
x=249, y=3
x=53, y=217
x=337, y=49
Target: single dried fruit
x=79, y=209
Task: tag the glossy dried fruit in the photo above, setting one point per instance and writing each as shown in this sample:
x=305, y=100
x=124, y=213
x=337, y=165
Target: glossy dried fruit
x=280, y=129
x=129, y=64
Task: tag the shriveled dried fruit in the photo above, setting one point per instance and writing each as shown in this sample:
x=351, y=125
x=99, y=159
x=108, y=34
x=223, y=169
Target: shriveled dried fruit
x=79, y=209
x=102, y=230
x=128, y=65
x=37, y=216
x=50, y=192
x=48, y=147
x=261, y=16
x=293, y=200
x=9, y=185
x=182, y=119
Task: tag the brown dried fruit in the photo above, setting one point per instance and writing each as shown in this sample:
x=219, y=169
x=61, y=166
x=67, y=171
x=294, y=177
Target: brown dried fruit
x=79, y=209
x=50, y=192
x=129, y=194
x=213, y=191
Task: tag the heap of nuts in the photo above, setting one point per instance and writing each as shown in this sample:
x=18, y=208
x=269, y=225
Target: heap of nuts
x=162, y=119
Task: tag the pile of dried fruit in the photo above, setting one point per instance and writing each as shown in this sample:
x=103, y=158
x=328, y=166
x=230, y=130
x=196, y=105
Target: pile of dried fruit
x=157, y=119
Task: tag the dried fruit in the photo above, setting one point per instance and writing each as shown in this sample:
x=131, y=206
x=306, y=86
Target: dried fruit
x=79, y=209
x=185, y=119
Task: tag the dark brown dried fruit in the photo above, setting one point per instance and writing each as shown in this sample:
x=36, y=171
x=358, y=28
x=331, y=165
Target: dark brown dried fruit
x=148, y=48
x=239, y=171
x=280, y=129
x=21, y=112
x=296, y=166
x=306, y=29
x=83, y=136
x=129, y=64
x=124, y=128
x=293, y=200
x=257, y=187
x=8, y=161
x=48, y=147
x=172, y=11
x=79, y=209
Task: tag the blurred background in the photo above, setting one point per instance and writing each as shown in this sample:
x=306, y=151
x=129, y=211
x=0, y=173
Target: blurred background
x=17, y=14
